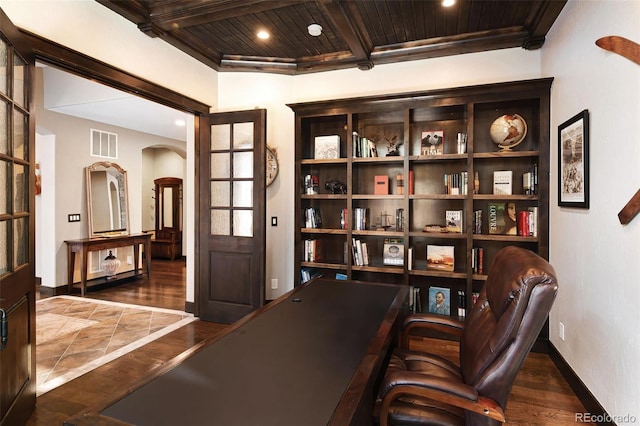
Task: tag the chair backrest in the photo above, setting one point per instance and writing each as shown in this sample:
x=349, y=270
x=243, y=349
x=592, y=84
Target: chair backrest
x=503, y=325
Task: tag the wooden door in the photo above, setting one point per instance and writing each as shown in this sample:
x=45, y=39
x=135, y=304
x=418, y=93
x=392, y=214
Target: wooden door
x=17, y=227
x=231, y=224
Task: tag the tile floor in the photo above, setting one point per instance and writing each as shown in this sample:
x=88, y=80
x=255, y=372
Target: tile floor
x=75, y=335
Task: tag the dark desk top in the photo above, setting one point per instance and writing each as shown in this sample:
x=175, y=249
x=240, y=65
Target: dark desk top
x=289, y=365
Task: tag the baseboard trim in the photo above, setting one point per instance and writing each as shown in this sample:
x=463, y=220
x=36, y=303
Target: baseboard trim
x=591, y=404
x=190, y=307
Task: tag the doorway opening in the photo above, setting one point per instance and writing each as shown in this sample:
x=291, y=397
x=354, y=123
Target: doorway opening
x=150, y=145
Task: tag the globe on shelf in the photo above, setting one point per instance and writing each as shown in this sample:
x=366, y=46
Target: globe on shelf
x=508, y=131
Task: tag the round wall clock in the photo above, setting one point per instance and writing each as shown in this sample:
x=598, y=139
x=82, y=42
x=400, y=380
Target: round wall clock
x=272, y=166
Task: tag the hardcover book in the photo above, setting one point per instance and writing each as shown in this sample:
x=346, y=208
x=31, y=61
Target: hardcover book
x=502, y=182
x=393, y=252
x=454, y=220
x=381, y=185
x=440, y=258
x=496, y=218
x=440, y=300
x=502, y=218
x=327, y=147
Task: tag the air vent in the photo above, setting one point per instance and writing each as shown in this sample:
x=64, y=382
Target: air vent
x=104, y=144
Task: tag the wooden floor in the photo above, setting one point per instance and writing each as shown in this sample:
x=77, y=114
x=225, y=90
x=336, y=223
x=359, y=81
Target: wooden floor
x=540, y=395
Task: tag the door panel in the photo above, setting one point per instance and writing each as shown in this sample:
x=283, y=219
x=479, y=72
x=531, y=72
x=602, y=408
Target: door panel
x=231, y=225
x=17, y=228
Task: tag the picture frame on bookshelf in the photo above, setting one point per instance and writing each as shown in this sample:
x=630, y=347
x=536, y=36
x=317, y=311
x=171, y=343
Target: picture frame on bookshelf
x=327, y=147
x=440, y=300
x=440, y=258
x=573, y=161
x=432, y=142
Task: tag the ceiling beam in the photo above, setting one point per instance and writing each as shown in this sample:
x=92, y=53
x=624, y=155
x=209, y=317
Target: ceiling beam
x=170, y=16
x=340, y=15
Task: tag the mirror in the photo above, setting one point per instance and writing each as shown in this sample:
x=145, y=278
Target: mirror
x=107, y=199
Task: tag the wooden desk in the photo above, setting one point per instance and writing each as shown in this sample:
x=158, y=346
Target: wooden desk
x=312, y=357
x=85, y=245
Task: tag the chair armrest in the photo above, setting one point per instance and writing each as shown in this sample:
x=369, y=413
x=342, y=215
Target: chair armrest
x=458, y=394
x=427, y=321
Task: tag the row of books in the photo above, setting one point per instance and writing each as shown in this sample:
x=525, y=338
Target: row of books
x=530, y=181
x=360, y=218
x=363, y=147
x=462, y=302
x=308, y=274
x=503, y=181
x=528, y=222
x=312, y=218
x=360, y=253
x=456, y=183
x=439, y=258
x=505, y=219
x=415, y=300
x=477, y=222
x=312, y=251
x=477, y=260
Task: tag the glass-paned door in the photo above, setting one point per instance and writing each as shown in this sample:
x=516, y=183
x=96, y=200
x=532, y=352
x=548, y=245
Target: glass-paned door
x=232, y=179
x=232, y=221
x=17, y=253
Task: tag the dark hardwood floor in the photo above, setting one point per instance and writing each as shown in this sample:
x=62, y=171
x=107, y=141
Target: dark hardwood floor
x=540, y=395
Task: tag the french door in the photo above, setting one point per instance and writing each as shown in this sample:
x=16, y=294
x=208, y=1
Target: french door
x=17, y=228
x=231, y=222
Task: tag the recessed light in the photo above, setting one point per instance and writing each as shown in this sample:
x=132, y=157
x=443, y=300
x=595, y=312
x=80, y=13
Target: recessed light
x=314, y=30
x=448, y=3
x=180, y=122
x=263, y=35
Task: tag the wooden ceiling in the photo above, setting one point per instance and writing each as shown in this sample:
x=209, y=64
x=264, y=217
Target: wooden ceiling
x=355, y=33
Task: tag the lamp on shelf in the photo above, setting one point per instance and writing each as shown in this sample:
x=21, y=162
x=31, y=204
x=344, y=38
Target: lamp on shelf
x=110, y=265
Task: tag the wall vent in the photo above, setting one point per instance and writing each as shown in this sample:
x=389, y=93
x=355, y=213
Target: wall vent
x=104, y=144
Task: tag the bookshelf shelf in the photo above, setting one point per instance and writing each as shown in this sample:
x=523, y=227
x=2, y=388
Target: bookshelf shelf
x=507, y=238
x=342, y=161
x=380, y=269
x=323, y=231
x=440, y=235
x=437, y=197
x=505, y=197
x=440, y=274
x=423, y=188
x=321, y=265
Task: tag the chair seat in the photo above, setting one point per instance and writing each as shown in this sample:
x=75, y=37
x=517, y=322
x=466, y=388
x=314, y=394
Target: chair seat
x=415, y=410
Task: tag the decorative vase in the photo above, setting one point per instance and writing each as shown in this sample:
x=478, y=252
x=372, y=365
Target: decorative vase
x=110, y=265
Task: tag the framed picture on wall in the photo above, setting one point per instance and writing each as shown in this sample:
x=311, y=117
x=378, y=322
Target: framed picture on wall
x=573, y=161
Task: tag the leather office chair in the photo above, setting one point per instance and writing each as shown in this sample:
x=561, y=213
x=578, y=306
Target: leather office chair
x=425, y=389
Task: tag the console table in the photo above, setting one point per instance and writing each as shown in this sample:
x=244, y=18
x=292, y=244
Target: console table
x=85, y=245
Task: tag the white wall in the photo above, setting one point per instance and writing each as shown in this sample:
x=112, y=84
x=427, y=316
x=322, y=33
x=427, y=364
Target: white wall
x=71, y=136
x=90, y=28
x=596, y=258
x=46, y=202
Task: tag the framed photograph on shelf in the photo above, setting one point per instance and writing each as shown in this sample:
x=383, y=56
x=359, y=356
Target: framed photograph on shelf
x=432, y=142
x=573, y=161
x=440, y=300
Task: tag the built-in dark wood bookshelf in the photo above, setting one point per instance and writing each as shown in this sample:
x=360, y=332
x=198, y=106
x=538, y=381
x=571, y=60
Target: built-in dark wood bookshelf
x=468, y=110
